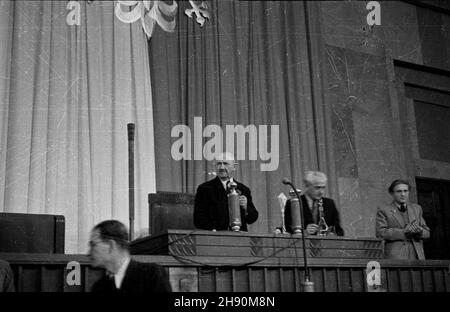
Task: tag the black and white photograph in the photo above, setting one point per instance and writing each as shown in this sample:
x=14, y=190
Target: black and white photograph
x=223, y=153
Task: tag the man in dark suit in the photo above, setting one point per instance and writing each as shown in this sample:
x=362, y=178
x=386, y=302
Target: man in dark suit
x=211, y=201
x=6, y=277
x=401, y=225
x=109, y=250
x=315, y=184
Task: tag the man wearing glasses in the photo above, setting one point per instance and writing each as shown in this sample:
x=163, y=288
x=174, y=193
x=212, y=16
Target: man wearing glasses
x=211, y=201
x=108, y=249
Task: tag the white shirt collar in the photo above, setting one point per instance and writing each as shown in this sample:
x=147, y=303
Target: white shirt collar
x=224, y=183
x=118, y=277
x=398, y=206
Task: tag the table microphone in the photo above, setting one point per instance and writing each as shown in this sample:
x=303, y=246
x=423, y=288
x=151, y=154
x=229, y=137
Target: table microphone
x=308, y=285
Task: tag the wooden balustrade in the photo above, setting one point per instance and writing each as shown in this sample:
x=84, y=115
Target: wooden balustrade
x=48, y=272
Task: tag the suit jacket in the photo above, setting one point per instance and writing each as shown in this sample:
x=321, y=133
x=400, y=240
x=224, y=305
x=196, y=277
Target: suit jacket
x=139, y=277
x=6, y=277
x=211, y=206
x=391, y=227
x=331, y=214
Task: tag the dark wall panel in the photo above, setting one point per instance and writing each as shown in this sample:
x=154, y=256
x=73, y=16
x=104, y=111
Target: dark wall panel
x=433, y=130
x=433, y=38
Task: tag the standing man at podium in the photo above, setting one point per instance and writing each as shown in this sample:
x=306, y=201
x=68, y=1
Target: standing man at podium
x=211, y=201
x=401, y=225
x=315, y=185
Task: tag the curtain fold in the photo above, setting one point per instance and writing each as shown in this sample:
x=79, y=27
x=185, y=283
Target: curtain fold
x=66, y=96
x=249, y=65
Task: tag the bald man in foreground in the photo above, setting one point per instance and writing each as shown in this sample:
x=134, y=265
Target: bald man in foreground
x=211, y=201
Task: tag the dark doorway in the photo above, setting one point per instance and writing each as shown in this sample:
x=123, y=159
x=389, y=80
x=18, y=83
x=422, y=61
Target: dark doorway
x=434, y=197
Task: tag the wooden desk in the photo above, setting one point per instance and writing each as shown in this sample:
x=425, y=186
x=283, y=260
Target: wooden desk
x=285, y=247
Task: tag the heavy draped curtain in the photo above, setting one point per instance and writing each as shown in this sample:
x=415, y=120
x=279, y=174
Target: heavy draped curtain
x=255, y=62
x=66, y=96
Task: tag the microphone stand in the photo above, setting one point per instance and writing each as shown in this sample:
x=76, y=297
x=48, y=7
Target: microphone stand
x=308, y=285
x=131, y=128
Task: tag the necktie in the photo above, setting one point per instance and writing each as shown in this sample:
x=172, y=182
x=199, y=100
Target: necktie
x=402, y=207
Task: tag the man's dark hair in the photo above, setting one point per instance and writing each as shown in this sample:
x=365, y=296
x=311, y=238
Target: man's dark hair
x=113, y=230
x=397, y=182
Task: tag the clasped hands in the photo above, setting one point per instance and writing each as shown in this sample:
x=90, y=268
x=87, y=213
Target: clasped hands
x=413, y=229
x=312, y=229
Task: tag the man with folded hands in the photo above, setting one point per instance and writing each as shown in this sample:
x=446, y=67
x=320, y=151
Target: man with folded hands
x=401, y=225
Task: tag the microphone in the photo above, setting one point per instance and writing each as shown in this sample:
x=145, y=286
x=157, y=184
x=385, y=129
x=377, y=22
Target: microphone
x=286, y=181
x=308, y=285
x=296, y=214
